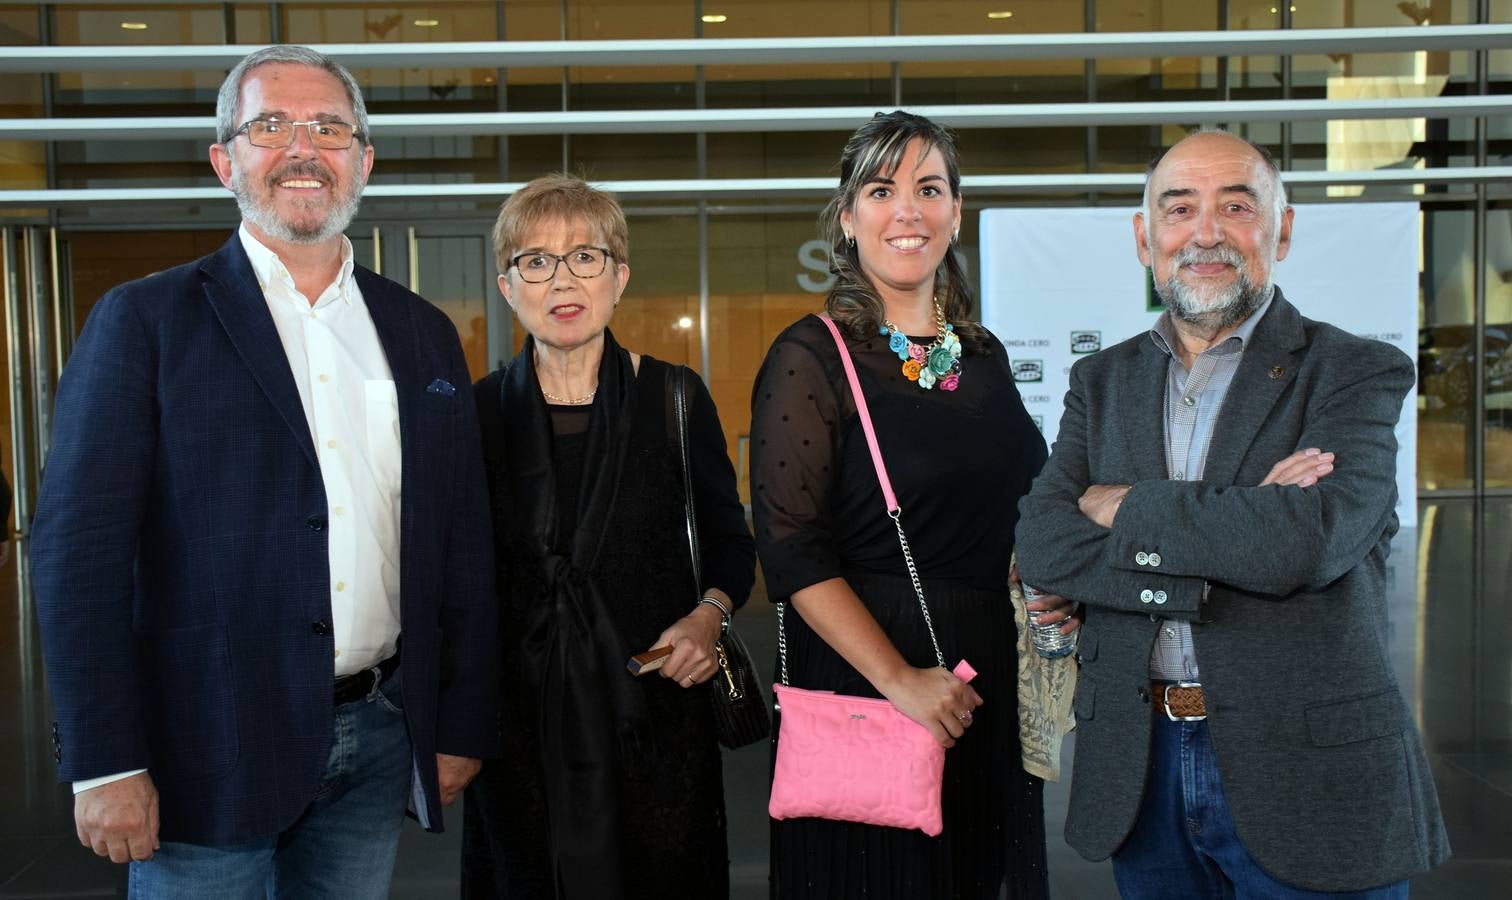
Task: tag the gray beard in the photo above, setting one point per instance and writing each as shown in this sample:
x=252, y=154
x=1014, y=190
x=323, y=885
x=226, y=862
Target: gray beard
x=266, y=218
x=1228, y=307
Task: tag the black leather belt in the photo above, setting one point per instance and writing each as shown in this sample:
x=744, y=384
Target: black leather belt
x=360, y=684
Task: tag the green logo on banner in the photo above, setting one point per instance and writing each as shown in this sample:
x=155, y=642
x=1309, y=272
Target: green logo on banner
x=1086, y=341
x=1028, y=370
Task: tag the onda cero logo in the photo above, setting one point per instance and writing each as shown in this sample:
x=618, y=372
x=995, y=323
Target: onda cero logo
x=1028, y=370
x=1086, y=341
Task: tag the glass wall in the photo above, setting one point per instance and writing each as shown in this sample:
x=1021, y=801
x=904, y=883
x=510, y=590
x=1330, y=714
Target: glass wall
x=738, y=271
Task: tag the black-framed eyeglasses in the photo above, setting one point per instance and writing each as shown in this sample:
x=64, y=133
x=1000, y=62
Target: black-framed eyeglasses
x=276, y=134
x=584, y=262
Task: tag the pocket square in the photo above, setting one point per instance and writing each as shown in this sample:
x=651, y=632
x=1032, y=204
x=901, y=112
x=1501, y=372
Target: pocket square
x=441, y=386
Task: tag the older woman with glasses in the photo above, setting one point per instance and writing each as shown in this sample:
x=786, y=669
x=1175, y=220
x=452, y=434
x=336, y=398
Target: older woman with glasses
x=610, y=786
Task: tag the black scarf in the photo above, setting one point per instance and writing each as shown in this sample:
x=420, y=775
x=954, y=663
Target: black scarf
x=592, y=717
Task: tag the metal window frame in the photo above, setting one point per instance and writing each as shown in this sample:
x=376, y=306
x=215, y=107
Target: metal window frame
x=782, y=51
x=789, y=119
x=725, y=189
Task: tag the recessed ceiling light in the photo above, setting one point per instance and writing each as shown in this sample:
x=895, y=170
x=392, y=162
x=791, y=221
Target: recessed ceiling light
x=134, y=26
x=715, y=19
x=685, y=322
x=1000, y=14
x=427, y=23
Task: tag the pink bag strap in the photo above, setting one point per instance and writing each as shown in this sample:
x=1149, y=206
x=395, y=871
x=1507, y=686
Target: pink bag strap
x=865, y=414
x=894, y=511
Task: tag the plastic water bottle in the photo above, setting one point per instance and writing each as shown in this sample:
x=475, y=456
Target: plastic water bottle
x=1048, y=640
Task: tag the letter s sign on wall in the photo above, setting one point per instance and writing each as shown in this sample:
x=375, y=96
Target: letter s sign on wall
x=814, y=256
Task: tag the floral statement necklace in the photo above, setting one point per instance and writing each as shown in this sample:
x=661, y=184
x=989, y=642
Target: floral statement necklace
x=939, y=363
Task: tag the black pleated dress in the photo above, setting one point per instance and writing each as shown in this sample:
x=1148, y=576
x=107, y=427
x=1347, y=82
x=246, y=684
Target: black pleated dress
x=959, y=462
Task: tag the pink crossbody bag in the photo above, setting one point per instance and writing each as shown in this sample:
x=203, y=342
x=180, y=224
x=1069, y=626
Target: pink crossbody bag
x=858, y=759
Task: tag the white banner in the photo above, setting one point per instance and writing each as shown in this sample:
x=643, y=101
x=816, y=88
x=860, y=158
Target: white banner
x=1058, y=284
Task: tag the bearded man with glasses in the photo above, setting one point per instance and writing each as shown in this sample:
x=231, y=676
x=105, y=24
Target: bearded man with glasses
x=261, y=551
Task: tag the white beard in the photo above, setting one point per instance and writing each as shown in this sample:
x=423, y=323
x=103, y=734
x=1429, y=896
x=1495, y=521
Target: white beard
x=256, y=210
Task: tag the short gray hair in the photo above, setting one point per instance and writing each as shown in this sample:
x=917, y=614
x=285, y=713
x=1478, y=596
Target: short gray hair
x=228, y=101
x=1279, y=202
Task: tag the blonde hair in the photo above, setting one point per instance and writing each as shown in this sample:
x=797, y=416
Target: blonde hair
x=559, y=197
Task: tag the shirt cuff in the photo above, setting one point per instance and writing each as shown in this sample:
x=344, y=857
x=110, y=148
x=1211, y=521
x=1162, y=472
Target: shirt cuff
x=87, y=784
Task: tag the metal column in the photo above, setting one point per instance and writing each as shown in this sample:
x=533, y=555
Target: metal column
x=16, y=375
x=40, y=317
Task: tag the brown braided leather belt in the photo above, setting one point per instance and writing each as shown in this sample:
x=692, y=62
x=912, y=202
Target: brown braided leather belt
x=1181, y=702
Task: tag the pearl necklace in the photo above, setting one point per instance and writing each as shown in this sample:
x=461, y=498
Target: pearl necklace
x=939, y=363
x=569, y=401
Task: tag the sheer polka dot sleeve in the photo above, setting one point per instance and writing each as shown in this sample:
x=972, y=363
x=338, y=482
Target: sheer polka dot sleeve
x=794, y=423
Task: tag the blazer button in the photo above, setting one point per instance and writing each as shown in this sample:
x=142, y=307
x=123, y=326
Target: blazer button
x=1155, y=559
x=1160, y=597
x=1141, y=558
x=316, y=523
x=1145, y=596
x=320, y=628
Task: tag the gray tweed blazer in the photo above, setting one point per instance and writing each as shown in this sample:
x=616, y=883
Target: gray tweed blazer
x=1321, y=762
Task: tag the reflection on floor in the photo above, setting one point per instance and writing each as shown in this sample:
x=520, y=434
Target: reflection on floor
x=1451, y=643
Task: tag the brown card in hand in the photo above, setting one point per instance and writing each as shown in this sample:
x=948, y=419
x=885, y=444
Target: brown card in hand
x=650, y=661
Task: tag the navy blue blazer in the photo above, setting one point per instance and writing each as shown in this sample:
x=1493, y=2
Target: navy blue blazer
x=179, y=553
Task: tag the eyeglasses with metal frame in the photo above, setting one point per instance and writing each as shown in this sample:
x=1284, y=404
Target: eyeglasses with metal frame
x=537, y=266
x=274, y=133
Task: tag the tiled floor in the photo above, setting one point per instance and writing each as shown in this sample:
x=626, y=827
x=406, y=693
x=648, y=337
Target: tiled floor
x=1451, y=614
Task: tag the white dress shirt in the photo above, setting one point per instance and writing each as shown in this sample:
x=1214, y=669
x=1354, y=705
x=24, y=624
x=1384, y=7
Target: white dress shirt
x=352, y=410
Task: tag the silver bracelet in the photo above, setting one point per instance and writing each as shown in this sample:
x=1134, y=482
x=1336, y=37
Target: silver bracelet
x=724, y=614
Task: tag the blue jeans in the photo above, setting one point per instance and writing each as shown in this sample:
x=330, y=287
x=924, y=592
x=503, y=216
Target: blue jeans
x=343, y=846
x=1184, y=845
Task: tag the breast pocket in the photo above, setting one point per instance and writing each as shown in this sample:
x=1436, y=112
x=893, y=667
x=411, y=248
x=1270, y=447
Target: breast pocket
x=382, y=407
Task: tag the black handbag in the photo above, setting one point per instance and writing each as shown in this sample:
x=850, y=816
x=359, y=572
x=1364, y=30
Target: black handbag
x=740, y=711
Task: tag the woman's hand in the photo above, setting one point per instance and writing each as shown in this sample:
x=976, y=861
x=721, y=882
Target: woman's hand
x=936, y=699
x=1052, y=608
x=692, y=641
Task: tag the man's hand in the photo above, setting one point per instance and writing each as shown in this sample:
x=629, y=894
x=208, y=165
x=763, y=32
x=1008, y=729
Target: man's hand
x=1052, y=608
x=119, y=820
x=1100, y=502
x=1303, y=468
x=453, y=773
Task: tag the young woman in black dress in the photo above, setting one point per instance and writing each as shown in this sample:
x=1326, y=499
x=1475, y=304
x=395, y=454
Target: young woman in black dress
x=961, y=451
